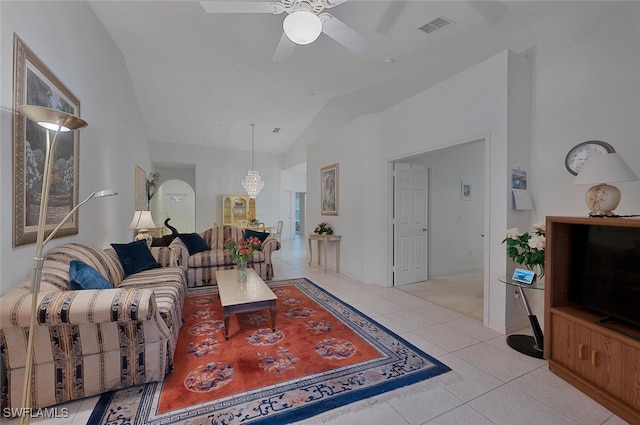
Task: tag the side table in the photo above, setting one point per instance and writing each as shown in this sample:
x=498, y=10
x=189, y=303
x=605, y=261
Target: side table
x=325, y=239
x=526, y=344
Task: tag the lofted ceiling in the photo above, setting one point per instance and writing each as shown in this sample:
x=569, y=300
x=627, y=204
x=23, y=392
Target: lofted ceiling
x=202, y=79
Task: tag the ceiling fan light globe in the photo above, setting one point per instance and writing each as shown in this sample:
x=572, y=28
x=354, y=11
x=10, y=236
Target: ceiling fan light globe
x=302, y=27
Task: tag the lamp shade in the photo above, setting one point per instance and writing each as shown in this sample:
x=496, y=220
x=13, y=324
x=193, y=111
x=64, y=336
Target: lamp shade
x=51, y=119
x=302, y=27
x=142, y=220
x=605, y=168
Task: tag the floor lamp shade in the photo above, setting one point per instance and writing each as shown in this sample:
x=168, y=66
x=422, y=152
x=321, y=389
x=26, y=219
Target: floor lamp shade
x=599, y=170
x=51, y=119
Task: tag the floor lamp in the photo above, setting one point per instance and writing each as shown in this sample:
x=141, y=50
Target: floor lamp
x=57, y=121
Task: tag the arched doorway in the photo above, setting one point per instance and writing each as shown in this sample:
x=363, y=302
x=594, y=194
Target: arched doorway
x=176, y=200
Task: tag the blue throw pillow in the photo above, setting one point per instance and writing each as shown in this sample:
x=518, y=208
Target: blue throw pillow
x=260, y=235
x=194, y=242
x=135, y=257
x=83, y=276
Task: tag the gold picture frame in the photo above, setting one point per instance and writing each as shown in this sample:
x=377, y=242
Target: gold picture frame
x=329, y=195
x=35, y=84
x=140, y=189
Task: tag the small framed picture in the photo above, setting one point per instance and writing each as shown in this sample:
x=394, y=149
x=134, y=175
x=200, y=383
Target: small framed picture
x=465, y=191
x=523, y=276
x=329, y=190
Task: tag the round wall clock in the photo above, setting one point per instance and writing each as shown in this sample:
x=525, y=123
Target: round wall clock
x=578, y=154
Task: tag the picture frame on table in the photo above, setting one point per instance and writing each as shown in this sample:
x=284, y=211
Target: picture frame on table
x=329, y=190
x=35, y=84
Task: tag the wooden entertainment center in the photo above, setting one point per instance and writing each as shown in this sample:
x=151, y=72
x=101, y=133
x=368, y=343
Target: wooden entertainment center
x=602, y=362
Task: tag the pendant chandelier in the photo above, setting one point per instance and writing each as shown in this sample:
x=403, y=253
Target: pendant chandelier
x=253, y=183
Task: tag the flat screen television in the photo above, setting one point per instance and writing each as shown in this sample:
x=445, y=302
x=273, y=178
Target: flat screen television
x=610, y=268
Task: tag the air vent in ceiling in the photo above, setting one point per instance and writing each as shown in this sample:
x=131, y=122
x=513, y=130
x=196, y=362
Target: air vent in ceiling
x=436, y=24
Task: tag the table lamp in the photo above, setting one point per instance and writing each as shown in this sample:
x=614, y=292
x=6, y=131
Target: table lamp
x=142, y=221
x=599, y=170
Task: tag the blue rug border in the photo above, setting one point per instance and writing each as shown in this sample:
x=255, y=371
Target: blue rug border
x=305, y=412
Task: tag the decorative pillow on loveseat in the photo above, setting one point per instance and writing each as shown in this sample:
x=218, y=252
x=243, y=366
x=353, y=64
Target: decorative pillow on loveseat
x=194, y=242
x=260, y=235
x=135, y=257
x=83, y=276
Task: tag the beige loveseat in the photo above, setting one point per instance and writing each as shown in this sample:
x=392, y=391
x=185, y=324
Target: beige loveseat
x=201, y=266
x=91, y=341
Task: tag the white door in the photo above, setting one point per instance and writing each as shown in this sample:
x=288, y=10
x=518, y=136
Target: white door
x=410, y=225
x=178, y=206
x=287, y=215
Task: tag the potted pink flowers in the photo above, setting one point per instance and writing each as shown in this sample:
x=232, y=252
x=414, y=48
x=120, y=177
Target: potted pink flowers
x=241, y=252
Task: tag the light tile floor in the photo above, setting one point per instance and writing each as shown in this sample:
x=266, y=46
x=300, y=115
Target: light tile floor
x=461, y=292
x=490, y=383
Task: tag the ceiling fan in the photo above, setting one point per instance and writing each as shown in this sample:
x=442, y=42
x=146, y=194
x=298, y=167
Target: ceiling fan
x=303, y=24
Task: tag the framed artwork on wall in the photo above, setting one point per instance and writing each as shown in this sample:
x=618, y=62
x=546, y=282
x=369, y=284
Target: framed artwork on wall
x=329, y=190
x=140, y=189
x=35, y=84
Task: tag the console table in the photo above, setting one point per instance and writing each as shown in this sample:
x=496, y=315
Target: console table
x=526, y=344
x=325, y=239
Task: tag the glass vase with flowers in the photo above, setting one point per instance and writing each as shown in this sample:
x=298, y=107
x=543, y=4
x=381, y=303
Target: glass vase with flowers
x=241, y=252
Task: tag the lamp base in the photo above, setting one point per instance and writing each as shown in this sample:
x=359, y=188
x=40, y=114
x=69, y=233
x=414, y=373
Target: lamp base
x=143, y=234
x=602, y=199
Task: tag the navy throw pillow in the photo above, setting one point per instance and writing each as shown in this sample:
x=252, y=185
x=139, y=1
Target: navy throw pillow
x=83, y=276
x=194, y=242
x=135, y=257
x=260, y=235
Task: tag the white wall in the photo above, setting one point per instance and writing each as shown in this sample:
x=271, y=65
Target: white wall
x=467, y=111
x=186, y=173
x=587, y=79
x=583, y=73
x=70, y=40
x=220, y=171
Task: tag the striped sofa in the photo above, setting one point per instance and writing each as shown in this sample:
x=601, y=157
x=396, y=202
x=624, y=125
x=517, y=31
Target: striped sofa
x=202, y=266
x=91, y=341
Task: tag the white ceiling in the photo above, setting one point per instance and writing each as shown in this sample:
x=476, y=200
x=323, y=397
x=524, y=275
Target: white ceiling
x=202, y=78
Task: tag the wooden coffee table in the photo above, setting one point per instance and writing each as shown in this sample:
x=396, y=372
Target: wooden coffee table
x=243, y=297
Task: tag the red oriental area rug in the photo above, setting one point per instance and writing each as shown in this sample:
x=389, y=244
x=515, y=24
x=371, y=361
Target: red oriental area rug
x=323, y=354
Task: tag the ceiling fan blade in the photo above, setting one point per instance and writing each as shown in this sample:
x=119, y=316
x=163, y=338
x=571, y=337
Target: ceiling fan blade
x=344, y=34
x=284, y=50
x=333, y=3
x=242, y=7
